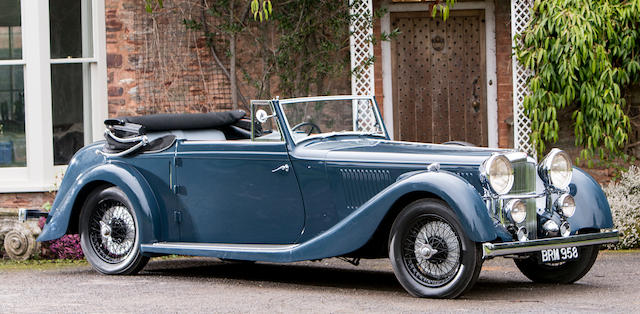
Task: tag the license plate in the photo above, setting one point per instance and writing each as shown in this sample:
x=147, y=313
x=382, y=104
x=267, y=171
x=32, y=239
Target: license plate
x=559, y=254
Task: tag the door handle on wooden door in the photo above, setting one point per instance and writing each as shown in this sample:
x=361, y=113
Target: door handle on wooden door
x=476, y=100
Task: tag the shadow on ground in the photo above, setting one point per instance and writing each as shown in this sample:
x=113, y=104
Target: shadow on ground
x=492, y=285
x=306, y=275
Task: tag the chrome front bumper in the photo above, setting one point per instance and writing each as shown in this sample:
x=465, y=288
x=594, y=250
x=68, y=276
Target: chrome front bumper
x=490, y=250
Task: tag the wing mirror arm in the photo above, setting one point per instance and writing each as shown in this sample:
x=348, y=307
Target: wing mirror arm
x=262, y=116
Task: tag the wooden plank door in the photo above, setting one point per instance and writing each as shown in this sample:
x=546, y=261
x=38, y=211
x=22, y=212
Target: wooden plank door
x=439, y=77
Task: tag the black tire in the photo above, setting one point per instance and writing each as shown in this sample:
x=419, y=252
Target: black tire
x=457, y=257
x=562, y=273
x=109, y=233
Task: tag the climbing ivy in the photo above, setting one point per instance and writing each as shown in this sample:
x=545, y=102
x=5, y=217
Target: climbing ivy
x=150, y=4
x=583, y=56
x=442, y=7
x=261, y=11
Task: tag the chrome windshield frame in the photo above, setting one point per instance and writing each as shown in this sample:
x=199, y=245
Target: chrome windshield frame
x=281, y=102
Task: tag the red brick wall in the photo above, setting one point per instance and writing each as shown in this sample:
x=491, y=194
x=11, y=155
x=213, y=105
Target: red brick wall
x=26, y=200
x=377, y=66
x=505, y=79
x=155, y=64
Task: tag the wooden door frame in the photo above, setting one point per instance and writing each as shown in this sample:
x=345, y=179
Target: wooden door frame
x=491, y=86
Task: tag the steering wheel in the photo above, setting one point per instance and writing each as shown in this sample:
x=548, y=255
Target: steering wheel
x=313, y=126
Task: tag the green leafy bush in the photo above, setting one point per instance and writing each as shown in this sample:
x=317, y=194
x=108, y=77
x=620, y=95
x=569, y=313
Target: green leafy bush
x=624, y=198
x=583, y=55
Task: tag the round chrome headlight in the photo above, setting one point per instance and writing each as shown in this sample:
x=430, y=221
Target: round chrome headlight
x=556, y=169
x=522, y=234
x=566, y=204
x=497, y=170
x=565, y=229
x=516, y=210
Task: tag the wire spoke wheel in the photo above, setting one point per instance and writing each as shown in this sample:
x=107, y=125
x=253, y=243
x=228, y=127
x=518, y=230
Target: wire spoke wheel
x=109, y=232
x=112, y=231
x=432, y=251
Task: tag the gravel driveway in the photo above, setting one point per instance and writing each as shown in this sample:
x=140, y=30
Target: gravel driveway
x=208, y=285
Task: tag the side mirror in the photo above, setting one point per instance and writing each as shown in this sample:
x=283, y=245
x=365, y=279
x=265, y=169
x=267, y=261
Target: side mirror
x=262, y=116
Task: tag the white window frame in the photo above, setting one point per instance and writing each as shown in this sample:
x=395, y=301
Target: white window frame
x=40, y=174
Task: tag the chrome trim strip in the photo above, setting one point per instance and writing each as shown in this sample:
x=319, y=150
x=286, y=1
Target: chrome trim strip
x=521, y=196
x=221, y=247
x=320, y=98
x=141, y=140
x=125, y=140
x=228, y=142
x=516, y=156
x=25, y=214
x=500, y=249
x=515, y=196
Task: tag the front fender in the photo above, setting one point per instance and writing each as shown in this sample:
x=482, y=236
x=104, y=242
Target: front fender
x=592, y=207
x=126, y=177
x=357, y=228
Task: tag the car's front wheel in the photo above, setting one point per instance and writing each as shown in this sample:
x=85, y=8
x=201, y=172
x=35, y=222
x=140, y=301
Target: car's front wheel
x=429, y=252
x=109, y=233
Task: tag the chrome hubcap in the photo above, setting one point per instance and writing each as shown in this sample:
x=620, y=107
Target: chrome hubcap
x=426, y=251
x=105, y=230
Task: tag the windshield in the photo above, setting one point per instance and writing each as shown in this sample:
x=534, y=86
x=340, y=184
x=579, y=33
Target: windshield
x=312, y=117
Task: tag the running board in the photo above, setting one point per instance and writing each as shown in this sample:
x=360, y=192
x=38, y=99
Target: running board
x=221, y=250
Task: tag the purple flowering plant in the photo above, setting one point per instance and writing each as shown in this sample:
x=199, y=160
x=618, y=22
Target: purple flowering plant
x=66, y=247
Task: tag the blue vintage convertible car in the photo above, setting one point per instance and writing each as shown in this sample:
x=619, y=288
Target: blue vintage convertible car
x=313, y=178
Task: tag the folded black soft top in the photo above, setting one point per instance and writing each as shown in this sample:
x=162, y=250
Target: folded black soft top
x=181, y=121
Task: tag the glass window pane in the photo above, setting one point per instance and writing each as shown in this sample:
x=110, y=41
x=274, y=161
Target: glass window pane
x=10, y=30
x=18, y=77
x=13, y=151
x=70, y=23
x=269, y=130
x=69, y=89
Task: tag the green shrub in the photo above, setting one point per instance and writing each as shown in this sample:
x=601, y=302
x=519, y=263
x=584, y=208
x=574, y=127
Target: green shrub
x=583, y=55
x=624, y=198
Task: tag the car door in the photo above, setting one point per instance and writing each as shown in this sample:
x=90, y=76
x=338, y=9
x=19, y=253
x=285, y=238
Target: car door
x=237, y=192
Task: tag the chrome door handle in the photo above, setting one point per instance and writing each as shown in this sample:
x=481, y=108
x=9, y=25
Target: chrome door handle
x=284, y=168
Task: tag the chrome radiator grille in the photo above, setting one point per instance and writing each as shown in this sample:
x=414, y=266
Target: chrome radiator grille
x=524, y=182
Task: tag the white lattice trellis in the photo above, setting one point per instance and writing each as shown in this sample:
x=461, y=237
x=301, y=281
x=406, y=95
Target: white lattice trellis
x=520, y=15
x=362, y=79
x=361, y=48
x=365, y=119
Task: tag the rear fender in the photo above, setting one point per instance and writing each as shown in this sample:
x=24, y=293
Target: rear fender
x=127, y=178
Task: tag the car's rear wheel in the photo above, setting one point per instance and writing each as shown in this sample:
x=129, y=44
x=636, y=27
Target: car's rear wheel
x=429, y=252
x=109, y=233
x=561, y=272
